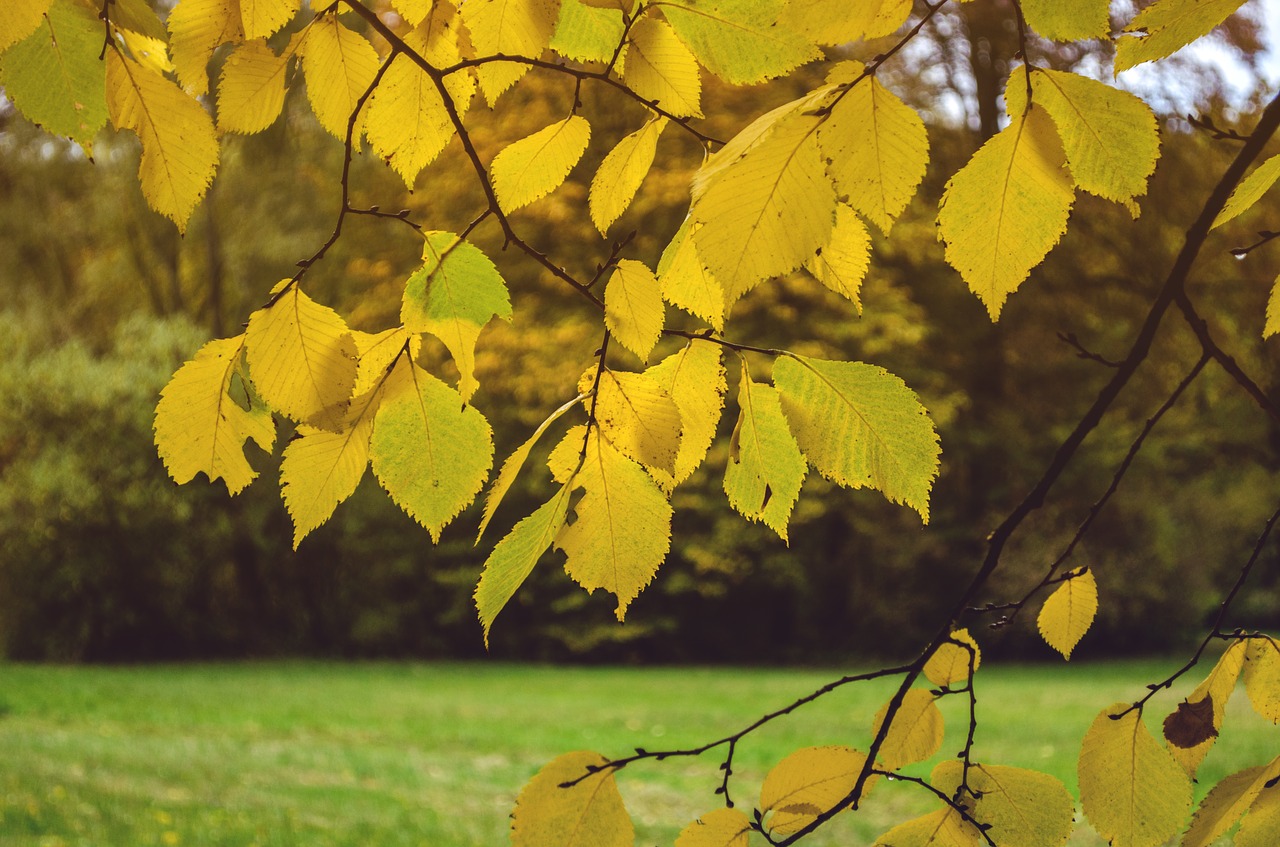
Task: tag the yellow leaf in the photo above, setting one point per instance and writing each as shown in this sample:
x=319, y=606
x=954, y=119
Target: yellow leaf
x=139, y=18
x=413, y=11
x=685, y=281
x=637, y=416
x=586, y=32
x=949, y=664
x=1272, y=325
x=621, y=173
x=943, y=828
x=302, y=359
x=622, y=529
x=834, y=24
x=509, y=28
x=842, y=263
x=1068, y=20
x=179, y=147
x=567, y=456
x=262, y=18
x=766, y=469
x=340, y=65
x=1133, y=791
x=658, y=67
x=1250, y=191
x=1022, y=808
x=807, y=783
x=695, y=379
x=1167, y=26
x=1005, y=210
x=196, y=29
x=1229, y=800
x=916, y=731
x=1109, y=136
x=20, y=18
x=251, y=88
x=1218, y=686
x=719, y=828
x=430, y=451
x=633, y=307
x=201, y=428
x=533, y=167
x=876, y=148
x=1262, y=677
x=739, y=40
x=1261, y=827
x=376, y=355
x=1068, y=613
x=152, y=53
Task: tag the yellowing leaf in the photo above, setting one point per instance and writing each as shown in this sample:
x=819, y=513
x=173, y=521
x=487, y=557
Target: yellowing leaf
x=1227, y=803
x=54, y=75
x=621, y=173
x=514, y=557
x=949, y=664
x=1109, y=136
x=533, y=167
x=1261, y=827
x=834, y=24
x=807, y=783
x=196, y=29
x=1134, y=793
x=637, y=416
x=915, y=733
x=695, y=379
x=1068, y=613
x=1168, y=26
x=766, y=213
x=586, y=32
x=179, y=147
x=251, y=88
x=568, y=455
x=861, y=427
x=1250, y=190
x=200, y=428
x=718, y=828
x=685, y=281
x=376, y=352
x=340, y=64
x=633, y=307
x=842, y=263
x=876, y=148
x=152, y=53
x=658, y=66
x=510, y=28
x=20, y=18
x=737, y=40
x=1022, y=808
x=262, y=18
x=622, y=529
x=429, y=450
x=413, y=11
x=137, y=17
x=452, y=296
x=943, y=828
x=1262, y=677
x=1005, y=210
x=765, y=470
x=1272, y=325
x=1068, y=20
x=1214, y=693
x=590, y=814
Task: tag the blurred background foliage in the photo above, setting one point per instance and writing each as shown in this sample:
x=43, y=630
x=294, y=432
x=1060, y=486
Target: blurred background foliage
x=103, y=558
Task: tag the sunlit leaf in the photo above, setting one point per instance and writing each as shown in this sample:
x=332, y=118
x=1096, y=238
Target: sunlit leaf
x=737, y=40
x=340, y=64
x=638, y=417
x=509, y=28
x=1167, y=26
x=1068, y=613
x=196, y=29
x=1229, y=800
x=587, y=33
x=533, y=167
x=251, y=88
x=20, y=18
x=1250, y=190
x=620, y=174
x=658, y=67
x=633, y=307
x=1262, y=677
x=685, y=281
x=1068, y=20
x=842, y=263
x=943, y=828
x=262, y=18
x=695, y=379
x=765, y=470
x=1020, y=807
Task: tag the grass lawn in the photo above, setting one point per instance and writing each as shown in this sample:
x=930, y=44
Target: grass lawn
x=432, y=755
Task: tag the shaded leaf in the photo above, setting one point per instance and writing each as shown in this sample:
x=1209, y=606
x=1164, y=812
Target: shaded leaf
x=943, y=828
x=1068, y=20
x=695, y=379
x=1191, y=723
x=718, y=828
x=1262, y=677
x=915, y=733
x=19, y=19
x=658, y=67
x=638, y=417
x=1229, y=800
x=949, y=664
x=1261, y=826
x=1216, y=691
x=842, y=263
x=685, y=281
x=590, y=814
x=1020, y=807
x=807, y=783
x=1250, y=190
x=251, y=88
x=196, y=29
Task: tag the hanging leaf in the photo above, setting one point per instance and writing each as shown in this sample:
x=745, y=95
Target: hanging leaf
x=621, y=173
x=133, y=16
x=737, y=40
x=915, y=733
x=718, y=828
x=587, y=33
x=685, y=281
x=340, y=64
x=508, y=28
x=658, y=67
x=836, y=24
x=1167, y=26
x=590, y=814
x=1019, y=807
x=533, y=167
x=201, y=429
x=765, y=470
x=1068, y=613
x=1229, y=800
x=1262, y=677
x=633, y=309
x=1133, y=791
x=19, y=19
x=429, y=450
x=807, y=783
x=1261, y=826
x=861, y=427
x=376, y=354
x=637, y=416
x=943, y=828
x=196, y=29
x=695, y=379
x=179, y=147
x=1203, y=711
x=263, y=18
x=251, y=88
x=1068, y=20
x=622, y=526
x=842, y=263
x=413, y=11
x=1250, y=190
x=949, y=664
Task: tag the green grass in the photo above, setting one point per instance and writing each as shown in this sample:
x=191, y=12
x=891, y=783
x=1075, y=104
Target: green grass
x=432, y=755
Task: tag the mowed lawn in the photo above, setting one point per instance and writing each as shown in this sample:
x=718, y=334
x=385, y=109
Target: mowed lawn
x=432, y=755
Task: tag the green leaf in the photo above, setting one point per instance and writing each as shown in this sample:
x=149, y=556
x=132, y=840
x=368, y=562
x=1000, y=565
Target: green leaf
x=737, y=40
x=54, y=75
x=455, y=293
x=658, y=67
x=588, y=814
x=807, y=783
x=429, y=450
x=251, y=88
x=587, y=33
x=533, y=167
x=765, y=470
x=1167, y=26
x=695, y=379
x=620, y=174
x=633, y=307
x=509, y=28
x=1250, y=190
x=860, y=426
x=1068, y=20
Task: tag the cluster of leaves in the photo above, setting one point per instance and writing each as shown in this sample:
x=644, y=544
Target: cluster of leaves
x=793, y=191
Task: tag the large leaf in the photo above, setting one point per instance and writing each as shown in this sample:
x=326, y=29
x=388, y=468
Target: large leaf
x=633, y=307
x=511, y=28
x=1019, y=807
x=1068, y=613
x=533, y=167
x=1261, y=827
x=1167, y=26
x=20, y=18
x=340, y=64
x=1133, y=791
x=836, y=24
x=589, y=814
x=765, y=470
x=251, y=88
x=695, y=379
x=737, y=40
x=915, y=733
x=620, y=174
x=658, y=67
x=262, y=18
x=1262, y=676
x=861, y=427
x=943, y=828
x=807, y=783
x=1068, y=20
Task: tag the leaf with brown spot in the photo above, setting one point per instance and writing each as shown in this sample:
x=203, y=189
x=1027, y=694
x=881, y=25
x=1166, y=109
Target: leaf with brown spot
x=1191, y=723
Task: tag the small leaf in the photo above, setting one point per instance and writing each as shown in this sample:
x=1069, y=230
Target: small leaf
x=1068, y=613
x=340, y=64
x=916, y=731
x=695, y=379
x=1133, y=791
x=1262, y=677
x=949, y=664
x=251, y=88
x=718, y=828
x=765, y=470
x=657, y=66
x=1250, y=190
x=1272, y=325
x=621, y=173
x=263, y=18
x=590, y=814
x=633, y=307
x=1167, y=26
x=637, y=416
x=533, y=167
x=807, y=783
x=1191, y=723
x=377, y=353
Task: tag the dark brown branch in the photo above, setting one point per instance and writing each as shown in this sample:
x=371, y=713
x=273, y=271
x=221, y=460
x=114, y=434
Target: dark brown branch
x=957, y=806
x=1265, y=237
x=1211, y=348
x=1206, y=124
x=1085, y=353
